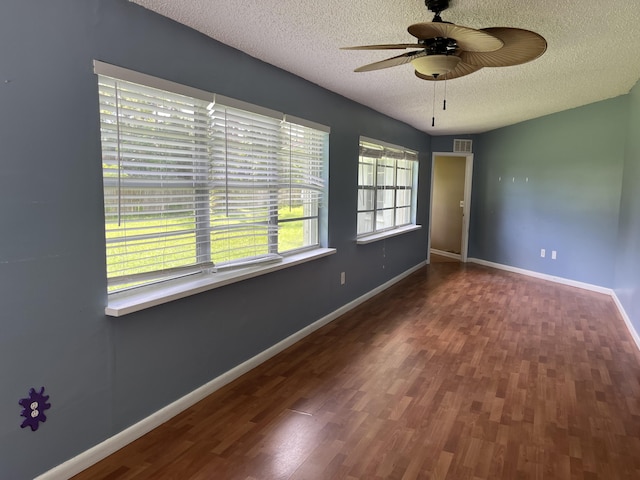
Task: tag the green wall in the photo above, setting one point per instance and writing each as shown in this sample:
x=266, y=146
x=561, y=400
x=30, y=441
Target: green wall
x=552, y=183
x=627, y=278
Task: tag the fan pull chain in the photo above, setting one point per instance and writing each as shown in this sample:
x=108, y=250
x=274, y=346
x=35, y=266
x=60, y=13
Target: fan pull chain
x=444, y=104
x=433, y=104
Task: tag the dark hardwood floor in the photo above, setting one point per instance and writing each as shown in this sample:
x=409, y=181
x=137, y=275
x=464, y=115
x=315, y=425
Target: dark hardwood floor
x=457, y=372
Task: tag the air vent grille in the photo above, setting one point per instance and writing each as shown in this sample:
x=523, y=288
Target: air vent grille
x=462, y=146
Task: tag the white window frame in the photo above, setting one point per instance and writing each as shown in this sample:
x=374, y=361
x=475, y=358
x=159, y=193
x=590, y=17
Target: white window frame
x=204, y=275
x=387, y=158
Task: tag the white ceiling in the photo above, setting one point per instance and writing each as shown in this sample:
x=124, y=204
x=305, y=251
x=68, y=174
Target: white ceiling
x=593, y=53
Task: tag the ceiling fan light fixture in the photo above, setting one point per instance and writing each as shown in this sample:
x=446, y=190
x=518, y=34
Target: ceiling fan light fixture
x=435, y=65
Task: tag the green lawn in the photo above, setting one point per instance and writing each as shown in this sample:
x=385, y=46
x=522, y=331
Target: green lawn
x=177, y=246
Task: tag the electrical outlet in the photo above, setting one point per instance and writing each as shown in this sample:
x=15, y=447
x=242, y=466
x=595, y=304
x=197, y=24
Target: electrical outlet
x=543, y=252
x=553, y=255
x=343, y=278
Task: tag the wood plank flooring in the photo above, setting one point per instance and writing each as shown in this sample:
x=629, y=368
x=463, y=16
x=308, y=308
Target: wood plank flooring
x=457, y=372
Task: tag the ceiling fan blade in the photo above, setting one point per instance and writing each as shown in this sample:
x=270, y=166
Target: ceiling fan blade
x=392, y=62
x=468, y=39
x=390, y=46
x=520, y=46
x=461, y=70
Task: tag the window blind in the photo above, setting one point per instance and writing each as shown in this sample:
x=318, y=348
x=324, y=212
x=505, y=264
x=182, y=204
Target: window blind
x=192, y=184
x=302, y=186
x=155, y=174
x=386, y=187
x=245, y=185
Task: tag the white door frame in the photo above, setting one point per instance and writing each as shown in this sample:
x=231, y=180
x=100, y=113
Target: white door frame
x=466, y=209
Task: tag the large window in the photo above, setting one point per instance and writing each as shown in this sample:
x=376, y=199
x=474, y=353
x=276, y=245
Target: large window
x=200, y=182
x=387, y=178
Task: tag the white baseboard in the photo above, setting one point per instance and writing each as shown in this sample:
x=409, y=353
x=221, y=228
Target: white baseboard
x=543, y=276
x=627, y=319
x=442, y=253
x=90, y=457
x=572, y=283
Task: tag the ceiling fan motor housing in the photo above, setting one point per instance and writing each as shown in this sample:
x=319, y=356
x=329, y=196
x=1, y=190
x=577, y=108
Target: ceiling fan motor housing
x=439, y=45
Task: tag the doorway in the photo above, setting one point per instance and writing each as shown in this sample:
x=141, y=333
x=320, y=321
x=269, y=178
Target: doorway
x=450, y=202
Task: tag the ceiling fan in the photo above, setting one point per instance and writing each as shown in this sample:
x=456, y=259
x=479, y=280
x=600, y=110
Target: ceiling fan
x=445, y=51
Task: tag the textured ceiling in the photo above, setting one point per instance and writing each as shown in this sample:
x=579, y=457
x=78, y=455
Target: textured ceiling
x=593, y=53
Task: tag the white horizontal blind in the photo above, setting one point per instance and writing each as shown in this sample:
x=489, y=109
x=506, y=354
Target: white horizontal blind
x=244, y=199
x=386, y=187
x=155, y=172
x=192, y=185
x=405, y=188
x=301, y=186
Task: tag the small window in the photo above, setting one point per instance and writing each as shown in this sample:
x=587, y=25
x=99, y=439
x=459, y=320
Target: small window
x=387, y=179
x=197, y=185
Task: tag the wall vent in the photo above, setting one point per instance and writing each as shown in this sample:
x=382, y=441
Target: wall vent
x=462, y=146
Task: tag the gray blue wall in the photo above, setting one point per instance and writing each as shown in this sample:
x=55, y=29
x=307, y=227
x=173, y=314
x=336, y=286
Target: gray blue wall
x=104, y=374
x=627, y=278
x=554, y=183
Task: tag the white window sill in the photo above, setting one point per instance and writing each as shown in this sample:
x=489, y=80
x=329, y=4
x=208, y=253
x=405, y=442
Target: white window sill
x=363, y=240
x=137, y=299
